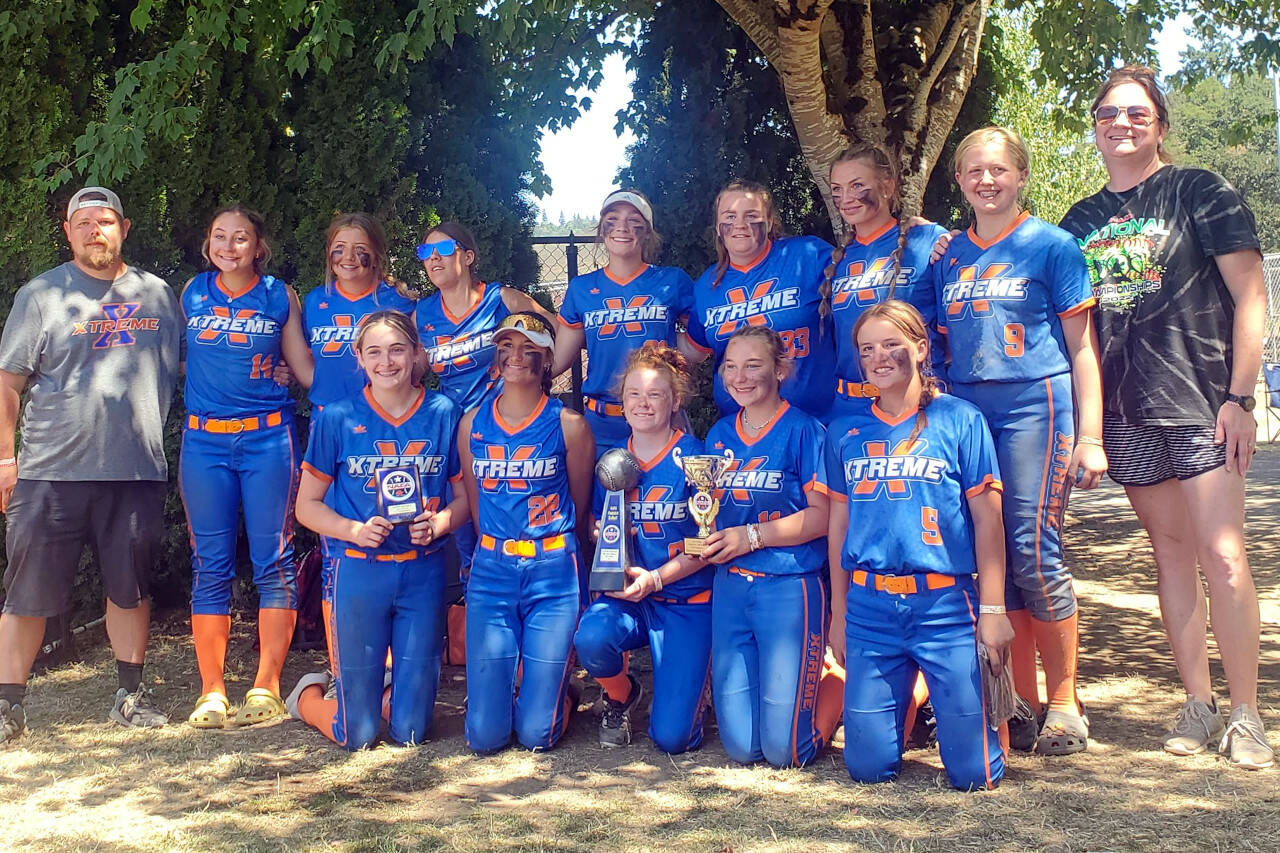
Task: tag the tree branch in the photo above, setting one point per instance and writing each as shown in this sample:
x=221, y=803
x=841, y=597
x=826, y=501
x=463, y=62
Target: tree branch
x=759, y=27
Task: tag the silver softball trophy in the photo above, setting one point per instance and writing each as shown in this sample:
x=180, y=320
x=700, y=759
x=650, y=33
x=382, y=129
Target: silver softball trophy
x=703, y=472
x=618, y=472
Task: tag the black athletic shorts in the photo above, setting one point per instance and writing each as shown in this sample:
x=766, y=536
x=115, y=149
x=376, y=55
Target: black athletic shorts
x=1145, y=455
x=49, y=523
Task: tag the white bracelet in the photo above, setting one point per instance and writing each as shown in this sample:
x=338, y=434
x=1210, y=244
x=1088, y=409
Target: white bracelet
x=5, y=463
x=657, y=580
x=1088, y=439
x=993, y=609
x=753, y=537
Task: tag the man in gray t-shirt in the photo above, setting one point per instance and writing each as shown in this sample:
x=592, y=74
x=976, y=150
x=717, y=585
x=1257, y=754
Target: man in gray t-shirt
x=95, y=343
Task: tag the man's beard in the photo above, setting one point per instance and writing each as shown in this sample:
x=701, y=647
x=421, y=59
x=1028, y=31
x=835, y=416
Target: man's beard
x=100, y=258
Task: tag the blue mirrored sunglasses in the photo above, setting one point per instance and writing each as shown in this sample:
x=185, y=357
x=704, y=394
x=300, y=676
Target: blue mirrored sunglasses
x=444, y=247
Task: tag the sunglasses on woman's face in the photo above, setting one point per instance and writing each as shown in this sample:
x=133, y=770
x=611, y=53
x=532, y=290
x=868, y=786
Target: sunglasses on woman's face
x=1139, y=115
x=444, y=248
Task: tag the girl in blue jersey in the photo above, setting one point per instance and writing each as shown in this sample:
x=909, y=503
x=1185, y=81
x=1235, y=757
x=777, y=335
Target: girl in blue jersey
x=527, y=465
x=456, y=325
x=917, y=513
x=667, y=604
x=769, y=596
x=356, y=285
x=457, y=322
x=612, y=311
x=764, y=279
x=1013, y=301
x=240, y=449
x=388, y=582
x=881, y=258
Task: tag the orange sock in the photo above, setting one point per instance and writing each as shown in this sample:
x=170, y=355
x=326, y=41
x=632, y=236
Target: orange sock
x=317, y=711
x=1059, y=643
x=210, y=631
x=1023, y=658
x=326, y=609
x=919, y=695
x=616, y=687
x=275, y=633
x=829, y=709
x=1004, y=738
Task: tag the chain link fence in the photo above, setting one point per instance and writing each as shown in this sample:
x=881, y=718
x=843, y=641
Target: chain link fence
x=1268, y=391
x=559, y=260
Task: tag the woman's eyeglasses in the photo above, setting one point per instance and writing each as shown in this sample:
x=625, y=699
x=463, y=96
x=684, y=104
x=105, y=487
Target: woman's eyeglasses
x=1139, y=115
x=445, y=248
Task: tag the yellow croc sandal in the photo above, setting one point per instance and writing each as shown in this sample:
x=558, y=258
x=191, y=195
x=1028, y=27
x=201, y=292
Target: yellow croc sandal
x=260, y=706
x=210, y=712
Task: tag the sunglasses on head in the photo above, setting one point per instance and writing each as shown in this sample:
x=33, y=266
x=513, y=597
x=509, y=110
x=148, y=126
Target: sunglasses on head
x=1137, y=115
x=444, y=248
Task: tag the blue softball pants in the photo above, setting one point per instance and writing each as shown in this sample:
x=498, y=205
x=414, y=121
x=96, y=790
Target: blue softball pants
x=768, y=638
x=679, y=638
x=1033, y=424
x=888, y=638
x=521, y=613
x=386, y=602
x=221, y=472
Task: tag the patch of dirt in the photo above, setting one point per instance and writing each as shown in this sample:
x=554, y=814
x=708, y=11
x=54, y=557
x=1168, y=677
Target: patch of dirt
x=75, y=782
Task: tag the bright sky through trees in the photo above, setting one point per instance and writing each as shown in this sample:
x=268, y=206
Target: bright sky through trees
x=583, y=159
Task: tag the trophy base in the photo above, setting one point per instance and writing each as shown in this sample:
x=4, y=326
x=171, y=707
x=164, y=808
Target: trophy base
x=607, y=580
x=695, y=545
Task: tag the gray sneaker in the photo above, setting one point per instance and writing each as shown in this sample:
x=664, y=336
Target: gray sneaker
x=1196, y=726
x=615, y=722
x=13, y=721
x=1245, y=743
x=135, y=709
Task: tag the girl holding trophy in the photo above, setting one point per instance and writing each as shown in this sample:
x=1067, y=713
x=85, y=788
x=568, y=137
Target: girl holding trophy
x=667, y=607
x=376, y=480
x=769, y=597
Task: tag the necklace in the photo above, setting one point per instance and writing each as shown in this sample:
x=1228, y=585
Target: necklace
x=746, y=421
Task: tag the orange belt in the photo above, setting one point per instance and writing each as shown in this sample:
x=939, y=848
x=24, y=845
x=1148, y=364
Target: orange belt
x=746, y=573
x=856, y=389
x=613, y=410
x=234, y=425
x=403, y=557
x=522, y=547
x=902, y=584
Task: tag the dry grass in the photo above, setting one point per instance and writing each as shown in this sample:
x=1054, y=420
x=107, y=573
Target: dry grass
x=76, y=783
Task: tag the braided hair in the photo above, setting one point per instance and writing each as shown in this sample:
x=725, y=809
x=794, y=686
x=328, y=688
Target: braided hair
x=905, y=318
x=770, y=216
x=886, y=167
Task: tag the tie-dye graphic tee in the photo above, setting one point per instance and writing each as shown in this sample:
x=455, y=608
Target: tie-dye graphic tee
x=1164, y=314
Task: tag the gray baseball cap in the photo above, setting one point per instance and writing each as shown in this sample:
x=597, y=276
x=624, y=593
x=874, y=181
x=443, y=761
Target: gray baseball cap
x=95, y=197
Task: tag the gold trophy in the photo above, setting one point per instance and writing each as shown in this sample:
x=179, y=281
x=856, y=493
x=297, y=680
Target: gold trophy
x=703, y=472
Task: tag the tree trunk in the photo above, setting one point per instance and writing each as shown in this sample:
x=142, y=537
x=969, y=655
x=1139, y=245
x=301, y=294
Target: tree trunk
x=851, y=72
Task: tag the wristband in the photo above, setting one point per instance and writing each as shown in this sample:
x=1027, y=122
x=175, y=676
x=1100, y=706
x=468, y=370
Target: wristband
x=11, y=461
x=1088, y=439
x=753, y=536
x=657, y=580
x=992, y=609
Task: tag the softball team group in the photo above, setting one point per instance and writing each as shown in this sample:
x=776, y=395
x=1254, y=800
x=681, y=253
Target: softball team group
x=902, y=435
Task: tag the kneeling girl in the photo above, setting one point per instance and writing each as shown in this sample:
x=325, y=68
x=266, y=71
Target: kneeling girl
x=769, y=597
x=917, y=513
x=388, y=580
x=526, y=462
x=667, y=602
